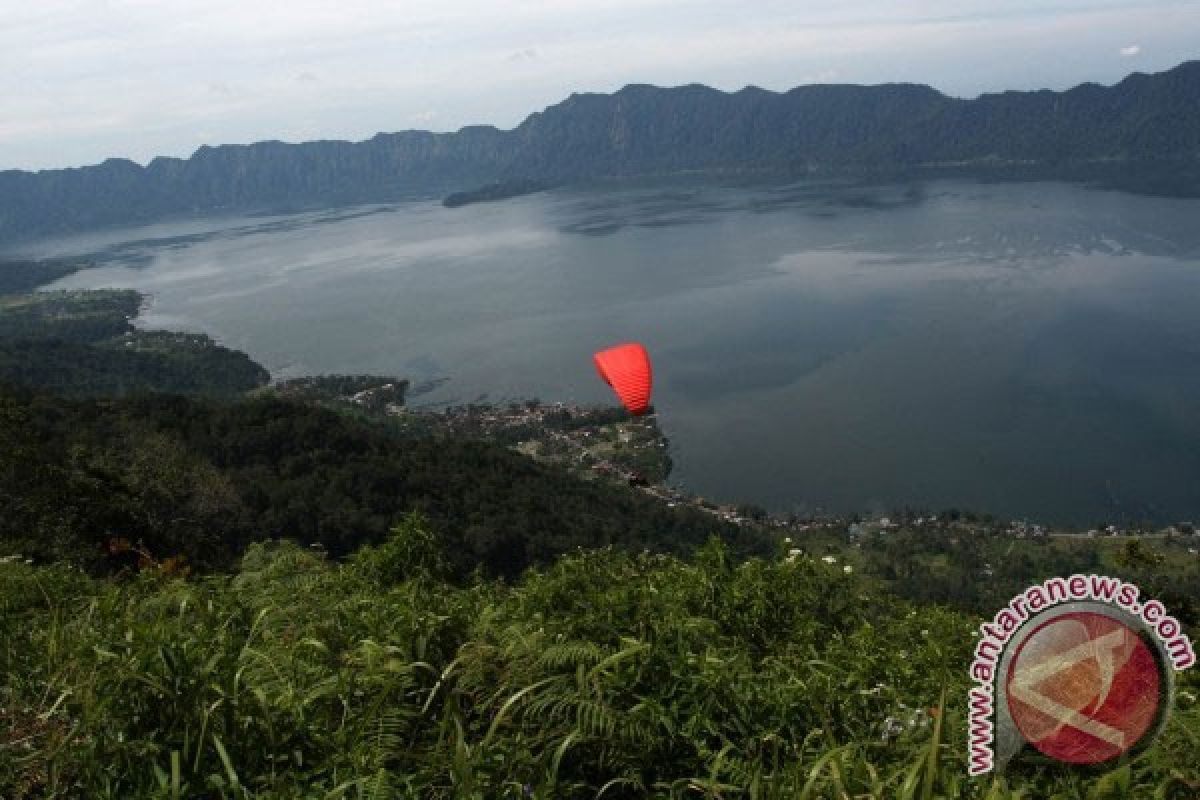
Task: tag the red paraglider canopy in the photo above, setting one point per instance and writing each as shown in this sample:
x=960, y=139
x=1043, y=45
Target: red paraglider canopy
x=626, y=368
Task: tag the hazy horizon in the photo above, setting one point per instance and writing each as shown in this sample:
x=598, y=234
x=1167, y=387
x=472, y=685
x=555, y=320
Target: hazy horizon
x=83, y=82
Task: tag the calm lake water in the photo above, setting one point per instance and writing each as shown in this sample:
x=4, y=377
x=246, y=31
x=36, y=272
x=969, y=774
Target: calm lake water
x=1031, y=350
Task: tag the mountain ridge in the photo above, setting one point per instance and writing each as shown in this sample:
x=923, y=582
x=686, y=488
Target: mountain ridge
x=642, y=129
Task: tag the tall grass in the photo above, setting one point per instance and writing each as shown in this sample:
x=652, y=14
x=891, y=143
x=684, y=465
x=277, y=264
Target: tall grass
x=607, y=675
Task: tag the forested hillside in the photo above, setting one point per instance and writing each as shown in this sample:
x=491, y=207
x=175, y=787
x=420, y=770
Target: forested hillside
x=203, y=479
x=25, y=275
x=83, y=343
x=160, y=451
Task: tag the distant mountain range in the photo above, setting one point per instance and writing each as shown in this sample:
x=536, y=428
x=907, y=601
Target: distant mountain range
x=1144, y=125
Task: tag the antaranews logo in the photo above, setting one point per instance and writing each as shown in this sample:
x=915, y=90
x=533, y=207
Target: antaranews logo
x=1079, y=668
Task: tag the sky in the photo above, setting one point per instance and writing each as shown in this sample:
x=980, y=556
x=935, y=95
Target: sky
x=85, y=80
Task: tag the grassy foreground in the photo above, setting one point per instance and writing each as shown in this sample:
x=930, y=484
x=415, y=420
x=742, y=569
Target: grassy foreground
x=604, y=675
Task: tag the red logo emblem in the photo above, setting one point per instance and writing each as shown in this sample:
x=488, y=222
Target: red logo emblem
x=1084, y=688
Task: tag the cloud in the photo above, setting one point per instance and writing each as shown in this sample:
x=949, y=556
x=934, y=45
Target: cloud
x=81, y=81
x=824, y=76
x=528, y=54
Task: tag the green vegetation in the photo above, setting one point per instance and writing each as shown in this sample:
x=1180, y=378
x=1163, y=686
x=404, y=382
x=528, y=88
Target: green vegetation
x=501, y=190
x=371, y=394
x=189, y=363
x=605, y=675
x=82, y=342
x=586, y=441
x=202, y=479
x=77, y=316
x=962, y=564
x=24, y=276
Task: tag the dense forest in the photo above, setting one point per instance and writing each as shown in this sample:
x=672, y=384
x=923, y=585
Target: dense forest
x=1142, y=133
x=24, y=276
x=202, y=479
x=82, y=342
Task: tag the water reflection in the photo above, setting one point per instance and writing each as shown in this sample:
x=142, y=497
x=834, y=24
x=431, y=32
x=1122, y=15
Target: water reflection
x=1026, y=349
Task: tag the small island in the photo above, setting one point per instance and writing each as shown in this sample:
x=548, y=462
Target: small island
x=501, y=190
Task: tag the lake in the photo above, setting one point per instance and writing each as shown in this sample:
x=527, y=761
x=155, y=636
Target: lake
x=1030, y=350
